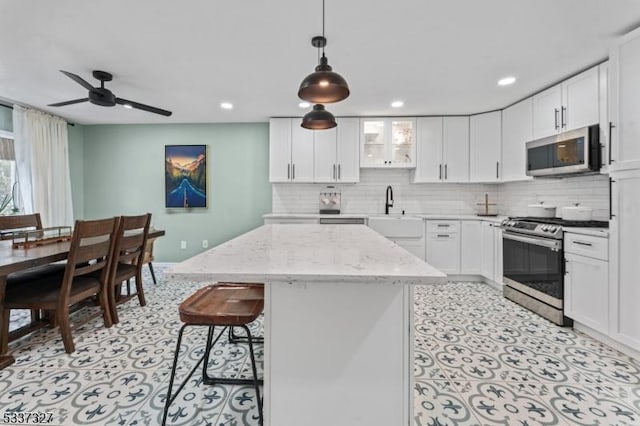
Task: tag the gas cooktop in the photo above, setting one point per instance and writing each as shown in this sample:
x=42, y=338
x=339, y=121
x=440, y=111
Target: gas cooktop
x=561, y=222
x=550, y=227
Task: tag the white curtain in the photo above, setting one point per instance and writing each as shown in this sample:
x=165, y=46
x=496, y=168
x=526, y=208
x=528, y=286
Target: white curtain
x=42, y=158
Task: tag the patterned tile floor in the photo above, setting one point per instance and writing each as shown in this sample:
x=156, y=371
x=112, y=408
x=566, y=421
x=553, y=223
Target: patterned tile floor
x=479, y=360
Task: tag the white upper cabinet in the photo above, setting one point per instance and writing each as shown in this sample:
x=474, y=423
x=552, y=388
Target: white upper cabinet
x=429, y=150
x=299, y=155
x=455, y=149
x=301, y=152
x=570, y=105
x=388, y=142
x=485, y=147
x=280, y=150
x=517, y=130
x=443, y=149
x=347, y=157
x=324, y=158
x=624, y=69
x=336, y=153
x=290, y=151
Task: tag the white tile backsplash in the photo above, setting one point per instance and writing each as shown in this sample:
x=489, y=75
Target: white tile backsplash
x=368, y=196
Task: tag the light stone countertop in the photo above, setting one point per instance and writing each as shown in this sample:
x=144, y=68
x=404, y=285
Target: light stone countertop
x=493, y=219
x=306, y=253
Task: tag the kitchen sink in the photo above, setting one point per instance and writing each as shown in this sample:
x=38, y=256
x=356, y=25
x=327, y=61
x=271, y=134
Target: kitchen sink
x=397, y=226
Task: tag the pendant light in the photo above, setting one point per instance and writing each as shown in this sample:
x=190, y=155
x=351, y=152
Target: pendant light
x=318, y=119
x=323, y=86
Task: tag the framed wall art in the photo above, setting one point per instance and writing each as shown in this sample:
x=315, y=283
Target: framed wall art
x=185, y=176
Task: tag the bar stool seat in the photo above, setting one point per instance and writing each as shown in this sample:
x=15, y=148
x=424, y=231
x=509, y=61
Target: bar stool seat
x=224, y=304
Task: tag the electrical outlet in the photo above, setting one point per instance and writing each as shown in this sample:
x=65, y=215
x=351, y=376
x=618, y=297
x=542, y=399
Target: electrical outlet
x=183, y=244
x=205, y=243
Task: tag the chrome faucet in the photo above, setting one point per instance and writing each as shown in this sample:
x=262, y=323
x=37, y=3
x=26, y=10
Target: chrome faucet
x=389, y=200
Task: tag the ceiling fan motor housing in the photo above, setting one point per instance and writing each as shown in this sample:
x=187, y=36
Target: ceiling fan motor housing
x=102, y=97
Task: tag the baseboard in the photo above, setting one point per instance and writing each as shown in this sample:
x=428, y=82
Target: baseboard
x=164, y=264
x=476, y=278
x=606, y=340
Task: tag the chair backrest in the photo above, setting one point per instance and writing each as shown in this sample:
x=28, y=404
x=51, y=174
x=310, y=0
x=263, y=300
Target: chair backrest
x=131, y=240
x=8, y=224
x=90, y=250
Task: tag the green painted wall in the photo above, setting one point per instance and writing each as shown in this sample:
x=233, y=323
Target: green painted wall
x=6, y=118
x=123, y=173
x=76, y=166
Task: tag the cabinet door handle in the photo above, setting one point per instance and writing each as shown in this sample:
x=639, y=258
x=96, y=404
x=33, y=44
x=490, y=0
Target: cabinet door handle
x=563, y=117
x=582, y=243
x=293, y=171
x=334, y=172
x=555, y=114
x=611, y=126
x=611, y=215
x=440, y=175
x=443, y=226
x=497, y=169
x=443, y=235
x=339, y=172
x=288, y=170
x=445, y=172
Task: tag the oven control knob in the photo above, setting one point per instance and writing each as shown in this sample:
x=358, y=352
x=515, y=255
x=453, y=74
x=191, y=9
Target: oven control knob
x=553, y=228
x=544, y=227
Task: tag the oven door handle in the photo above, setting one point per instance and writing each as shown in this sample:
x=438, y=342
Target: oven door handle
x=554, y=245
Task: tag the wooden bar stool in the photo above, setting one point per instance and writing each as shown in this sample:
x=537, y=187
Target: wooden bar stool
x=227, y=305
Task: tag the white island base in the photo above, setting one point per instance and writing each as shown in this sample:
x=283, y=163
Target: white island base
x=338, y=354
x=338, y=320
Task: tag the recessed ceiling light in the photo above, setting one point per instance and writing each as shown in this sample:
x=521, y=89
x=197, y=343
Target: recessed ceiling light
x=127, y=106
x=226, y=105
x=397, y=104
x=506, y=81
x=304, y=104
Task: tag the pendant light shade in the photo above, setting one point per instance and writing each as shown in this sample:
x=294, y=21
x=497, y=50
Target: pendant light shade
x=323, y=86
x=318, y=119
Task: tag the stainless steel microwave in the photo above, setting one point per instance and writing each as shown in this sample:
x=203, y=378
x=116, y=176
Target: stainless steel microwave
x=576, y=151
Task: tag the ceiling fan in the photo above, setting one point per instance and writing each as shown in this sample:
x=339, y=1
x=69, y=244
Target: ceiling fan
x=105, y=97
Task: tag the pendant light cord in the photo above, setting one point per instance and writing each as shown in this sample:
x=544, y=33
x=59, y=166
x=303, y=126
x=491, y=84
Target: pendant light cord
x=323, y=27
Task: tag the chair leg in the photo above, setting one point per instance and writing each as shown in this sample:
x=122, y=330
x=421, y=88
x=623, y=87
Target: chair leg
x=153, y=275
x=5, y=316
x=113, y=301
x=139, y=288
x=256, y=382
x=104, y=299
x=65, y=329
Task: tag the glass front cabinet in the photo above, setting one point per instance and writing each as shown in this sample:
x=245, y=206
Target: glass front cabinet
x=388, y=142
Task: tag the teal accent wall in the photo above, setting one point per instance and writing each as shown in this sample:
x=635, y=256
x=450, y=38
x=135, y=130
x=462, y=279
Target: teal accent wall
x=6, y=118
x=76, y=168
x=123, y=173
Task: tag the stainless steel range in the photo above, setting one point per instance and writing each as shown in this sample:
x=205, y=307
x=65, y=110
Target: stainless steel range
x=533, y=262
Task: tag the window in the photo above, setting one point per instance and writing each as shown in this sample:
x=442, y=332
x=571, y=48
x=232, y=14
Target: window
x=8, y=188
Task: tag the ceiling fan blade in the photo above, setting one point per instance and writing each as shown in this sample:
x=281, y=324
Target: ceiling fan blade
x=143, y=107
x=75, y=101
x=77, y=79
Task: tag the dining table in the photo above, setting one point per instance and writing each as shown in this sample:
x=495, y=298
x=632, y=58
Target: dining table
x=13, y=260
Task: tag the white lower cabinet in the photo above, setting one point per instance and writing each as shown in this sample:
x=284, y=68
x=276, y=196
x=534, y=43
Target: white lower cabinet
x=414, y=246
x=624, y=229
x=487, y=250
x=443, y=245
x=586, y=291
x=471, y=247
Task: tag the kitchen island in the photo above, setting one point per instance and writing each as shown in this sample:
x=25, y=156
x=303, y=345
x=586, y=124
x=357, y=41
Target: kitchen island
x=338, y=320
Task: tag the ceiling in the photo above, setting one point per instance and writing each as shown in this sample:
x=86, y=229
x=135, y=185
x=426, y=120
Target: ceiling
x=438, y=56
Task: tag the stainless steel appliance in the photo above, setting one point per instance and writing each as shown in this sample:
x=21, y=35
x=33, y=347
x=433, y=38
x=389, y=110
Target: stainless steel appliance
x=576, y=151
x=533, y=263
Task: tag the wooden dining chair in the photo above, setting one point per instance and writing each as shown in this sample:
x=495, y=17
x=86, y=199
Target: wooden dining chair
x=85, y=276
x=131, y=239
x=147, y=258
x=9, y=224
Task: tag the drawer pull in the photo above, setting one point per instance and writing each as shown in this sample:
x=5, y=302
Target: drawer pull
x=443, y=226
x=443, y=236
x=582, y=243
